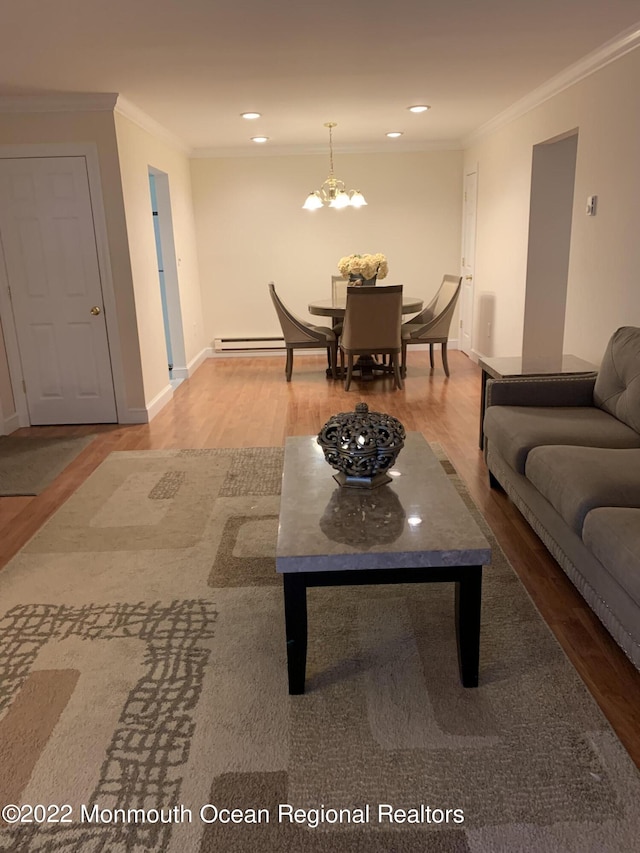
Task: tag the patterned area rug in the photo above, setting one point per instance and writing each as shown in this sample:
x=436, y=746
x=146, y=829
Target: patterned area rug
x=29, y=465
x=144, y=704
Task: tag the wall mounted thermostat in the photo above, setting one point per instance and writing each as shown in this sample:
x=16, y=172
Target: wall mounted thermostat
x=591, y=205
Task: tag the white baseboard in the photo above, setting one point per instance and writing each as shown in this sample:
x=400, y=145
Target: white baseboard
x=133, y=416
x=159, y=402
x=194, y=364
x=260, y=353
x=212, y=353
x=10, y=424
x=143, y=416
x=257, y=353
x=254, y=353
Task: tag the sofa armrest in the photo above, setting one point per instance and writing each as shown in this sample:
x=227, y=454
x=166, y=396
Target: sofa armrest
x=571, y=390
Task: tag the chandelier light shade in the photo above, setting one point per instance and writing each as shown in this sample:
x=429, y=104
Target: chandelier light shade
x=332, y=193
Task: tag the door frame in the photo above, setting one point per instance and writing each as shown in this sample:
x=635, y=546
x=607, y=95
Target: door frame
x=89, y=151
x=470, y=291
x=551, y=215
x=172, y=286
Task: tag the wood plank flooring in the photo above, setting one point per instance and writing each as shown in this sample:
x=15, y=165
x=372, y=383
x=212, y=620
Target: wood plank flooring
x=245, y=402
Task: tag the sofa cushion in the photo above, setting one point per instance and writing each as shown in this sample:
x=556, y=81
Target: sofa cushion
x=575, y=480
x=617, y=388
x=516, y=429
x=613, y=536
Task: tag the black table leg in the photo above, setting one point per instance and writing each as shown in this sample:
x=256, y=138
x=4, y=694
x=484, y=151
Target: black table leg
x=483, y=403
x=295, y=616
x=468, y=603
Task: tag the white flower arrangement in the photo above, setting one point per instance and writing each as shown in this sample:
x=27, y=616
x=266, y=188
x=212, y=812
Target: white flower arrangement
x=366, y=266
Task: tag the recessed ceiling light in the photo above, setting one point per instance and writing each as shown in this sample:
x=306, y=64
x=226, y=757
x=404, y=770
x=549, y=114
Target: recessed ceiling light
x=259, y=138
x=419, y=108
x=394, y=134
x=250, y=115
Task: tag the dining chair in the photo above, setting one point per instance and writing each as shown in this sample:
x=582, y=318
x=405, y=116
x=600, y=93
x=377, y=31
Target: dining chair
x=431, y=325
x=372, y=322
x=338, y=287
x=300, y=335
x=338, y=294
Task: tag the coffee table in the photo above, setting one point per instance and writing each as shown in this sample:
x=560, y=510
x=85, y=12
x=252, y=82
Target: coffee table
x=517, y=366
x=415, y=529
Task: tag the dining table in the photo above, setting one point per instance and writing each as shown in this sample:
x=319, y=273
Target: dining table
x=367, y=366
x=335, y=308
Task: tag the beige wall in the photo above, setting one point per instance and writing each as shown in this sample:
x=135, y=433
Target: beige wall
x=605, y=250
x=251, y=229
x=98, y=128
x=138, y=150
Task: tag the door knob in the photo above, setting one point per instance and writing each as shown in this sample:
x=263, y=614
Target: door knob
x=95, y=310
x=468, y=277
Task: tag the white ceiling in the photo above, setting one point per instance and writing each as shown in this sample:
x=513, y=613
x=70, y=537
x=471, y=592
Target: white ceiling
x=194, y=65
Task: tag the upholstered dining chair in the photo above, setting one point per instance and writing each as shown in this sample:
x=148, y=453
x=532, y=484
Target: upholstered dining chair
x=372, y=322
x=300, y=335
x=338, y=293
x=338, y=287
x=431, y=325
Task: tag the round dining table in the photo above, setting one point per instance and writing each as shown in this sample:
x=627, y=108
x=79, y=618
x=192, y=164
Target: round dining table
x=335, y=308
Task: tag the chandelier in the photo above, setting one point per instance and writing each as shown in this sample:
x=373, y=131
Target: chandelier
x=333, y=192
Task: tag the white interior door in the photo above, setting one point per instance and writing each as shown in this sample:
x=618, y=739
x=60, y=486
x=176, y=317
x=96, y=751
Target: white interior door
x=468, y=259
x=49, y=246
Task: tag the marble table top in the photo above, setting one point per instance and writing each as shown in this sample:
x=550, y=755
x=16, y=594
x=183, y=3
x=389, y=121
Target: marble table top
x=417, y=521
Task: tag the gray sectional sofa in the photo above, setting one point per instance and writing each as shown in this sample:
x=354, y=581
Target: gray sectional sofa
x=566, y=449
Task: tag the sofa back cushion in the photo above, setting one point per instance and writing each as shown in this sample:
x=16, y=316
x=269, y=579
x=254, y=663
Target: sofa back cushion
x=617, y=388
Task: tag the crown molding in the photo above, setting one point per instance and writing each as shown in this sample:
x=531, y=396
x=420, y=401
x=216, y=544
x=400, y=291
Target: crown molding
x=139, y=117
x=614, y=49
x=392, y=147
x=66, y=103
x=90, y=102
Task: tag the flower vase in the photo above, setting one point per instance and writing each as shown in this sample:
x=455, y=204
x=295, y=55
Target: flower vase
x=356, y=280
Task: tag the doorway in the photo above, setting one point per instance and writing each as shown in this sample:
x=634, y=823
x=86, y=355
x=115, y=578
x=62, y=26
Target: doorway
x=467, y=292
x=550, y=217
x=168, y=275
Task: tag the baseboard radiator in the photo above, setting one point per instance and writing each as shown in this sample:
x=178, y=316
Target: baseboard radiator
x=247, y=344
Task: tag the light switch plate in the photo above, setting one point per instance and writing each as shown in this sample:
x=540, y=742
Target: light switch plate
x=591, y=205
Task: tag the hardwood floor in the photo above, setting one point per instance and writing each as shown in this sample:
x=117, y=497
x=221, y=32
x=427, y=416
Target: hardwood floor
x=245, y=402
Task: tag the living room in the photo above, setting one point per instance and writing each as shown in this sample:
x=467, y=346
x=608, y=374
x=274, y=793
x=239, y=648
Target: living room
x=237, y=223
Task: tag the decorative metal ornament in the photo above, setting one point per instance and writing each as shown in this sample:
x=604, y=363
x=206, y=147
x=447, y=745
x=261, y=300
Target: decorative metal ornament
x=361, y=446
